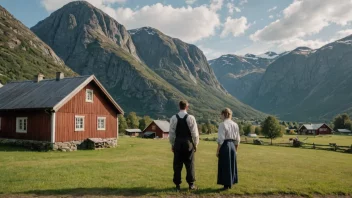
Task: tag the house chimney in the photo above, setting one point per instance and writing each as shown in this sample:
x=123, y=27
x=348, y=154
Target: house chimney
x=59, y=76
x=38, y=77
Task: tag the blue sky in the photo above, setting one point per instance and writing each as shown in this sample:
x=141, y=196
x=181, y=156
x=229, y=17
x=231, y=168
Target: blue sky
x=219, y=26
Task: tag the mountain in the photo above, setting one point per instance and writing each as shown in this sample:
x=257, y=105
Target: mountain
x=147, y=72
x=307, y=84
x=23, y=54
x=240, y=74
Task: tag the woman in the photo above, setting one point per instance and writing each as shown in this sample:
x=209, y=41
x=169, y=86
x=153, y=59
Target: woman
x=228, y=141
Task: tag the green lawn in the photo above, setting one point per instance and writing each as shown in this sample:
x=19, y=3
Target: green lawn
x=144, y=167
x=340, y=140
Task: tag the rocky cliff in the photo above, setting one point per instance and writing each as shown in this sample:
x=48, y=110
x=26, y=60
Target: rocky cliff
x=148, y=76
x=23, y=54
x=240, y=74
x=308, y=84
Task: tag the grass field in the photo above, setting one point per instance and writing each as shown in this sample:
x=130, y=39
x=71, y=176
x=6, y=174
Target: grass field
x=144, y=167
x=340, y=140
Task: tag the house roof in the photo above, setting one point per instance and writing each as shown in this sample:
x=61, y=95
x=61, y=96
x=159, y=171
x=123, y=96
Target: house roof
x=163, y=125
x=133, y=130
x=51, y=93
x=343, y=130
x=312, y=126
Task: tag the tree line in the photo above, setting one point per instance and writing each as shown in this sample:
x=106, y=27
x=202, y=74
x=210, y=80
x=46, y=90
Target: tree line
x=132, y=121
x=342, y=121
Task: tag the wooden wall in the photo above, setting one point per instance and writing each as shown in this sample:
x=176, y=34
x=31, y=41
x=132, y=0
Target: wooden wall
x=326, y=130
x=38, y=125
x=77, y=106
x=157, y=130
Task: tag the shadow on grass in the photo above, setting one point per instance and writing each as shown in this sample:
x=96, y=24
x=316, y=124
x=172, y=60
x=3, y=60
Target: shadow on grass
x=134, y=191
x=10, y=148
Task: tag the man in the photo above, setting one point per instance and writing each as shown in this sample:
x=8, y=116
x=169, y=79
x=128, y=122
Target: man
x=184, y=138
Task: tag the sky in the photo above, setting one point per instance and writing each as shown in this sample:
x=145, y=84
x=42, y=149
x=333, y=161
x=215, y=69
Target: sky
x=219, y=27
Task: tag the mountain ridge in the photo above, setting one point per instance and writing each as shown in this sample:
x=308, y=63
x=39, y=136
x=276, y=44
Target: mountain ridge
x=137, y=82
x=308, y=84
x=23, y=54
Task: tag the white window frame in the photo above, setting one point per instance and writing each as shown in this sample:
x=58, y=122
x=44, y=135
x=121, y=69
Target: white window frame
x=79, y=129
x=101, y=128
x=89, y=91
x=23, y=129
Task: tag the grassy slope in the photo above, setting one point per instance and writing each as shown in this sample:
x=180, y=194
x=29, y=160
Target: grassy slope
x=26, y=59
x=144, y=167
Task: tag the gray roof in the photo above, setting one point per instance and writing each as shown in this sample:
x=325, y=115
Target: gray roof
x=133, y=130
x=50, y=94
x=343, y=130
x=163, y=125
x=34, y=95
x=313, y=126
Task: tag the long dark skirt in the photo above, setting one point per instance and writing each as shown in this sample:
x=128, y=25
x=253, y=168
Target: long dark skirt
x=227, y=165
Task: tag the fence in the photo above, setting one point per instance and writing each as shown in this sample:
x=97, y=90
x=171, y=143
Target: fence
x=329, y=147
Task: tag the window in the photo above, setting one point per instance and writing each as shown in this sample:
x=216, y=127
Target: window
x=323, y=129
x=89, y=95
x=101, y=123
x=153, y=127
x=79, y=123
x=21, y=125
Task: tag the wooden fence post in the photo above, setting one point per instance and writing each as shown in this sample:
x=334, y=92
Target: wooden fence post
x=313, y=145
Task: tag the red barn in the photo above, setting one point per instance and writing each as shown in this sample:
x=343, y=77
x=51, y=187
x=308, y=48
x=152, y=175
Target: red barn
x=314, y=129
x=158, y=128
x=62, y=112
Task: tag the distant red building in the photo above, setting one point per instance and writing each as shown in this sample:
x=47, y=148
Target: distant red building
x=314, y=129
x=158, y=128
x=58, y=110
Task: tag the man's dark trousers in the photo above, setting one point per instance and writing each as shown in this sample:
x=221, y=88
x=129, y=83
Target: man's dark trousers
x=183, y=152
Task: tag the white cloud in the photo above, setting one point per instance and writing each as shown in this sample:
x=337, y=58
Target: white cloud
x=272, y=9
x=236, y=27
x=271, y=16
x=190, y=2
x=242, y=2
x=344, y=33
x=306, y=17
x=187, y=23
x=211, y=53
x=52, y=5
x=216, y=5
x=290, y=44
x=231, y=7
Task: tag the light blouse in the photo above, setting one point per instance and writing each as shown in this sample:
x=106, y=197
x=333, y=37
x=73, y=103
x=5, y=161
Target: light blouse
x=229, y=130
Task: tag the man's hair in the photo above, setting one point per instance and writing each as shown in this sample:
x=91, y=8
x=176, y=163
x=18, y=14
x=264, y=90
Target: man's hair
x=183, y=104
x=227, y=113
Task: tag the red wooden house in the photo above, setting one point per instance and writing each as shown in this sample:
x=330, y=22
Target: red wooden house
x=158, y=128
x=314, y=129
x=58, y=110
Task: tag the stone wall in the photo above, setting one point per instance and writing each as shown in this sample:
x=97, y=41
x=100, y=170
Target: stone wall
x=60, y=146
x=30, y=144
